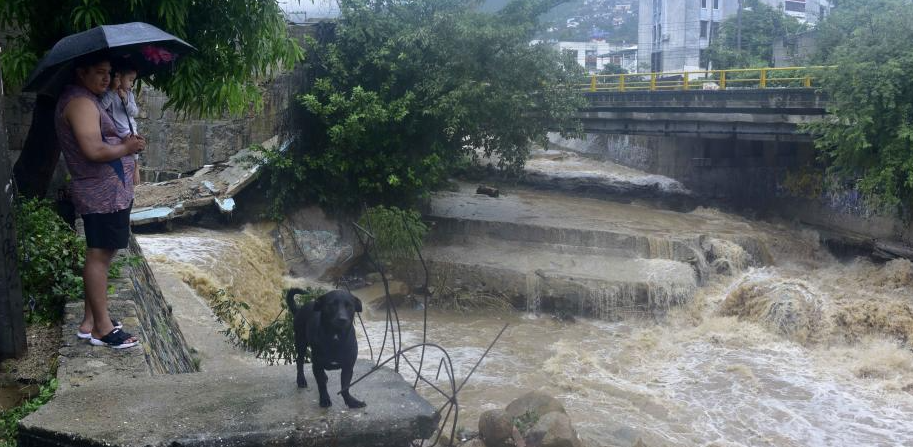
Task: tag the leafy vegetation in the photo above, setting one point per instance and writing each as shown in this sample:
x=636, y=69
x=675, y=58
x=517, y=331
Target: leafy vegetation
x=610, y=69
x=9, y=419
x=239, y=43
x=397, y=232
x=51, y=257
x=761, y=25
x=407, y=88
x=868, y=138
x=274, y=342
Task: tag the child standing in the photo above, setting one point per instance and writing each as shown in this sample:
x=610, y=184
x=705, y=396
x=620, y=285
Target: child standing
x=120, y=103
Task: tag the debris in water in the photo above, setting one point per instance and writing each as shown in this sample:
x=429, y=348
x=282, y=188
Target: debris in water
x=488, y=191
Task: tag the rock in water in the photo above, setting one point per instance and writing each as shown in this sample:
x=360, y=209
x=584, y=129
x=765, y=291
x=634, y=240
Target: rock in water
x=488, y=191
x=533, y=402
x=553, y=430
x=495, y=428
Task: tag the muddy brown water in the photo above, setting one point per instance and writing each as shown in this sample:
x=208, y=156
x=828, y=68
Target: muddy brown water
x=804, y=353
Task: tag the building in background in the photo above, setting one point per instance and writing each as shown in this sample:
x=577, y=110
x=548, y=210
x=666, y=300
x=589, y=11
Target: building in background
x=794, y=51
x=674, y=34
x=593, y=56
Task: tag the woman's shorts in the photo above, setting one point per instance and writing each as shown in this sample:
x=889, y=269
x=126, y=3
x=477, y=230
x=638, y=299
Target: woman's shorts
x=110, y=231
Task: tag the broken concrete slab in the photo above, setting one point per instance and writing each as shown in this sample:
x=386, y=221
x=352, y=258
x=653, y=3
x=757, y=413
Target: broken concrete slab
x=211, y=187
x=241, y=407
x=148, y=215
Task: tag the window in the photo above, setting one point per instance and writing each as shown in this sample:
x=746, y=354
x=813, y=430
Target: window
x=656, y=62
x=716, y=4
x=703, y=28
x=703, y=4
x=715, y=30
x=795, y=6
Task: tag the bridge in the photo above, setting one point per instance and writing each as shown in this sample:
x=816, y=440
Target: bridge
x=762, y=104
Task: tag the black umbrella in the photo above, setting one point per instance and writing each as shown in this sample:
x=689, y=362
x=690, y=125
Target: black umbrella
x=146, y=47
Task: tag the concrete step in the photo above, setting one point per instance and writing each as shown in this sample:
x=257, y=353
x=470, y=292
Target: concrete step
x=616, y=229
x=573, y=173
x=562, y=279
x=241, y=407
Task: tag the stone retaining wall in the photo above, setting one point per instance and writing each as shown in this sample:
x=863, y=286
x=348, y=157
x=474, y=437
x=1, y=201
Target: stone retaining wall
x=138, y=303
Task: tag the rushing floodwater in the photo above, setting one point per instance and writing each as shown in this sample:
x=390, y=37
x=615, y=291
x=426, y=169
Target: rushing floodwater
x=793, y=355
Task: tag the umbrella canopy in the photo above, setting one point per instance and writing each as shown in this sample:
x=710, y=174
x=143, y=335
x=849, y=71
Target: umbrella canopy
x=146, y=47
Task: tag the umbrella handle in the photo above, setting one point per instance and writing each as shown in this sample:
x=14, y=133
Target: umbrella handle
x=123, y=102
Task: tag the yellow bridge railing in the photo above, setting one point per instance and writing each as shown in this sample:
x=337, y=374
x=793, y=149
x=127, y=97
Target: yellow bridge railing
x=741, y=78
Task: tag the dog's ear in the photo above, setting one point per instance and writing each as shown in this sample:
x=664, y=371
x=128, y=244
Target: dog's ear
x=319, y=302
x=357, y=303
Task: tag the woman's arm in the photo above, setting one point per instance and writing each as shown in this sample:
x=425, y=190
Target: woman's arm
x=84, y=119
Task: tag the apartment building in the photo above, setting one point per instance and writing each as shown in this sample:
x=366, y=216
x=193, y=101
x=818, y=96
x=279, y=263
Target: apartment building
x=673, y=34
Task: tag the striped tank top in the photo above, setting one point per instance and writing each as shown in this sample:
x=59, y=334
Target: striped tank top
x=94, y=187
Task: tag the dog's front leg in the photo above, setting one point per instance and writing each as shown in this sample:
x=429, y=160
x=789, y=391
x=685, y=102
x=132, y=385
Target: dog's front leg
x=345, y=378
x=321, y=377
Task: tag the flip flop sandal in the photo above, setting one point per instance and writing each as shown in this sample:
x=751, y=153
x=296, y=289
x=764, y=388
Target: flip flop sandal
x=88, y=335
x=116, y=339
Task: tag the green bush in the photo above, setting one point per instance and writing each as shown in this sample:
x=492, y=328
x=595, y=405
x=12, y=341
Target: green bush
x=51, y=257
x=394, y=230
x=9, y=419
x=405, y=89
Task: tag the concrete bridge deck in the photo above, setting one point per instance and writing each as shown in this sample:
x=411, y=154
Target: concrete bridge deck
x=748, y=114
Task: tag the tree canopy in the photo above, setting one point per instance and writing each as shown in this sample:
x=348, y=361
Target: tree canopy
x=761, y=26
x=407, y=90
x=240, y=41
x=868, y=139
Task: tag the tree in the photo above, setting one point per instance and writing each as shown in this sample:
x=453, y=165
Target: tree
x=409, y=89
x=240, y=42
x=868, y=137
x=611, y=69
x=760, y=26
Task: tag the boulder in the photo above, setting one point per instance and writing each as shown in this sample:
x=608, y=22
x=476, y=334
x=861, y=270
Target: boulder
x=553, y=429
x=533, y=402
x=495, y=428
x=317, y=246
x=488, y=191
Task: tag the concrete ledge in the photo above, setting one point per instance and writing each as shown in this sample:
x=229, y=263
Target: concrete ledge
x=247, y=407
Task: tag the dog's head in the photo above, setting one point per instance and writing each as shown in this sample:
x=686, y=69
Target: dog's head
x=337, y=309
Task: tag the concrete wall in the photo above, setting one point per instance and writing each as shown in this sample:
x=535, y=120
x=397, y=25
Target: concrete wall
x=178, y=144
x=168, y=351
x=748, y=175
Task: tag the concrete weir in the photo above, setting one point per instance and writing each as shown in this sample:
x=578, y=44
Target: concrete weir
x=245, y=407
x=155, y=395
x=581, y=256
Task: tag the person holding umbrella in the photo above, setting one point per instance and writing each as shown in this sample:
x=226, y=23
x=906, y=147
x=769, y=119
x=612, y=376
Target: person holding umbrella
x=97, y=159
x=76, y=71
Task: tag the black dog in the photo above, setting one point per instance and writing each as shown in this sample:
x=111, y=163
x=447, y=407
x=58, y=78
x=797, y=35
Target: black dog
x=325, y=325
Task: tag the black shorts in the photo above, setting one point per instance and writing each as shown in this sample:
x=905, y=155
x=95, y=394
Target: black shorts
x=110, y=231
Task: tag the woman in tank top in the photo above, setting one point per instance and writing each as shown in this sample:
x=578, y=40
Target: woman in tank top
x=102, y=192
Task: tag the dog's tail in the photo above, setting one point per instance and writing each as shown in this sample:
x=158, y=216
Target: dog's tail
x=290, y=299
